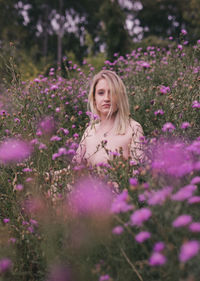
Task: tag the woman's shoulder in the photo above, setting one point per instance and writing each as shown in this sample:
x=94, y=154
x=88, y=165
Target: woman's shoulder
x=134, y=125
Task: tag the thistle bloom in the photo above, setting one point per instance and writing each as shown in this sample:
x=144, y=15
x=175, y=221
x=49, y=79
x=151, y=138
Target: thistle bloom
x=140, y=216
x=189, y=250
x=168, y=127
x=5, y=265
x=13, y=150
x=120, y=204
x=142, y=236
x=194, y=227
x=157, y=259
x=118, y=230
x=182, y=221
x=159, y=246
x=90, y=197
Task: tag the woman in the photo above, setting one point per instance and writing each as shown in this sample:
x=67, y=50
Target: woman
x=114, y=130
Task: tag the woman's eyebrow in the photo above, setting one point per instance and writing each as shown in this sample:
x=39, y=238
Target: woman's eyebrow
x=100, y=90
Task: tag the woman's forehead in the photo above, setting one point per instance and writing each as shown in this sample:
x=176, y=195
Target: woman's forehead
x=102, y=83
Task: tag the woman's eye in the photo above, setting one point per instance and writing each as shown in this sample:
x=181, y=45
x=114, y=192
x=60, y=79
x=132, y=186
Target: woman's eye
x=100, y=93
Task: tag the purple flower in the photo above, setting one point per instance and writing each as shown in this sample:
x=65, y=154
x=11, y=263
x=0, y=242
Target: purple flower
x=194, y=200
x=157, y=259
x=90, y=196
x=120, y=204
x=182, y=220
x=185, y=125
x=140, y=216
x=195, y=180
x=189, y=250
x=172, y=159
x=159, y=112
x=180, y=47
x=55, y=138
x=164, y=89
x=5, y=265
x=6, y=220
x=168, y=127
x=47, y=125
x=194, y=227
x=159, y=246
x=195, y=104
x=184, y=193
x=159, y=197
x=118, y=230
x=133, y=181
x=13, y=150
x=183, y=31
x=104, y=277
x=142, y=236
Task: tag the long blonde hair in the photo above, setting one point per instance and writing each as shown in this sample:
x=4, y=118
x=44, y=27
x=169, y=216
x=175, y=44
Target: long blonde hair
x=118, y=89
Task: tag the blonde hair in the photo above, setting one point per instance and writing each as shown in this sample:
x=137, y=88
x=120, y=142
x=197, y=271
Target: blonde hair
x=118, y=89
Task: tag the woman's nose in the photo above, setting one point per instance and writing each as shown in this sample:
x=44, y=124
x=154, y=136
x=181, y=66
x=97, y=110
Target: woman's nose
x=107, y=96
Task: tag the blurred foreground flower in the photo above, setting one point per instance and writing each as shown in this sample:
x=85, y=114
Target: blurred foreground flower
x=172, y=159
x=13, y=150
x=189, y=250
x=5, y=265
x=157, y=259
x=91, y=196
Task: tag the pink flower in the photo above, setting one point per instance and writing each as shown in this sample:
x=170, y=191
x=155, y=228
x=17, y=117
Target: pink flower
x=189, y=250
x=157, y=259
x=120, y=204
x=185, y=125
x=13, y=150
x=195, y=180
x=118, y=230
x=47, y=125
x=159, y=112
x=183, y=31
x=5, y=265
x=182, y=220
x=164, y=89
x=133, y=181
x=142, y=236
x=140, y=216
x=184, y=193
x=90, y=196
x=194, y=200
x=194, y=227
x=168, y=127
x=6, y=220
x=159, y=246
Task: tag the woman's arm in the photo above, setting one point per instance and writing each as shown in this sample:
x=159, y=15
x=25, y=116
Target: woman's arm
x=81, y=150
x=136, y=151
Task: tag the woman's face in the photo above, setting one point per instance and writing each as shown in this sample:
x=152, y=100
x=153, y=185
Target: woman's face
x=103, y=99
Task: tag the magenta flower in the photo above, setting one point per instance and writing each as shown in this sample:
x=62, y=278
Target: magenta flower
x=194, y=200
x=159, y=246
x=140, y=216
x=195, y=104
x=159, y=112
x=6, y=220
x=47, y=125
x=13, y=150
x=142, y=236
x=168, y=127
x=157, y=259
x=120, y=205
x=5, y=265
x=194, y=227
x=172, y=159
x=104, y=277
x=164, y=89
x=133, y=181
x=118, y=230
x=55, y=138
x=90, y=196
x=189, y=250
x=185, y=125
x=184, y=193
x=159, y=197
x=195, y=180
x=183, y=31
x=182, y=220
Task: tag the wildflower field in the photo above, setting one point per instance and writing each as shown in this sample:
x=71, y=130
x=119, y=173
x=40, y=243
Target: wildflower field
x=60, y=221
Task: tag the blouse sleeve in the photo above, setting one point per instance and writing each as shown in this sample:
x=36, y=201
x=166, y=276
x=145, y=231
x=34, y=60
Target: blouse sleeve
x=137, y=143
